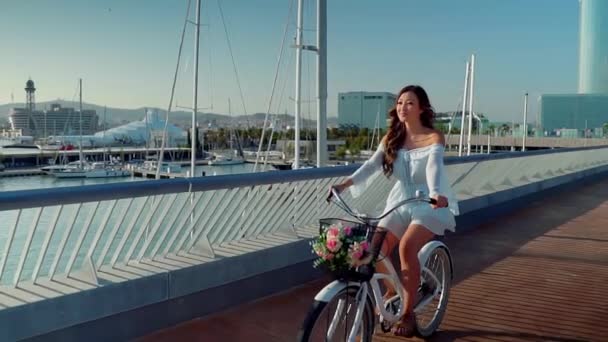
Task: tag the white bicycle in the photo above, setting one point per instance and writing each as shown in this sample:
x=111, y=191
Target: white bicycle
x=345, y=309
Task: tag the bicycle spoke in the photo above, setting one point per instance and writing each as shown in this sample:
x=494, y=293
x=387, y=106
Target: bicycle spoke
x=335, y=320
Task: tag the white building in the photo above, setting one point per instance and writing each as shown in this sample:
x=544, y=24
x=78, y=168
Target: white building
x=57, y=120
x=364, y=109
x=135, y=133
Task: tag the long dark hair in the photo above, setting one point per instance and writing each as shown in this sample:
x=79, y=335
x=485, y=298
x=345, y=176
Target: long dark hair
x=395, y=137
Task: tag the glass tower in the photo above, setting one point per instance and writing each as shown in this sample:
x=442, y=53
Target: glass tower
x=593, y=48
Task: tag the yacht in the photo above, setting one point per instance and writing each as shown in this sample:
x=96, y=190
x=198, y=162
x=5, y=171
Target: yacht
x=151, y=165
x=59, y=167
x=22, y=146
x=70, y=171
x=221, y=159
x=227, y=159
x=17, y=142
x=103, y=170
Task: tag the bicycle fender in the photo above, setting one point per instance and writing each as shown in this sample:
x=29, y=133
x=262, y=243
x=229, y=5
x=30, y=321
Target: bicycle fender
x=332, y=289
x=426, y=250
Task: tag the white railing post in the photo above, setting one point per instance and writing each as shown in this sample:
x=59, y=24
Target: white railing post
x=143, y=227
x=45, y=244
x=63, y=242
x=106, y=248
x=127, y=233
x=9, y=242
x=155, y=228
x=27, y=245
x=100, y=230
x=169, y=228
x=83, y=233
x=179, y=228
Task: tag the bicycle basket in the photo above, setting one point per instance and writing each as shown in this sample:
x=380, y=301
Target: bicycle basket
x=347, y=250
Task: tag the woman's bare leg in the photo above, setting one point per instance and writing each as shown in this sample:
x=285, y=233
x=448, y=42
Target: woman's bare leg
x=390, y=242
x=412, y=241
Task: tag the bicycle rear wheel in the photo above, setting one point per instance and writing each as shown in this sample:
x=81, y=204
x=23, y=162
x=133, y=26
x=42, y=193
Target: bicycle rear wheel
x=434, y=292
x=333, y=320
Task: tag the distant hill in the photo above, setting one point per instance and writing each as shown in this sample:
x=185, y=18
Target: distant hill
x=118, y=116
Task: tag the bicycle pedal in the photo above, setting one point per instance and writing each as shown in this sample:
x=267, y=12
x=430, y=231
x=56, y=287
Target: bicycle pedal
x=425, y=289
x=385, y=326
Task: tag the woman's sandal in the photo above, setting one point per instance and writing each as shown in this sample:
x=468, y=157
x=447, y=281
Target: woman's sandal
x=387, y=296
x=406, y=327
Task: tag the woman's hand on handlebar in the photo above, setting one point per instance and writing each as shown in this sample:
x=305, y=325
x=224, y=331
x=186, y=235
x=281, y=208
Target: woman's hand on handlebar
x=440, y=202
x=338, y=188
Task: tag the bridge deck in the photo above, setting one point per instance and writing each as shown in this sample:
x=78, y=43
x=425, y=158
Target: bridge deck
x=536, y=275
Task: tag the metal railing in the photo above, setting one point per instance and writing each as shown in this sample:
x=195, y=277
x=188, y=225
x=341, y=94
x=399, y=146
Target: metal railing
x=87, y=236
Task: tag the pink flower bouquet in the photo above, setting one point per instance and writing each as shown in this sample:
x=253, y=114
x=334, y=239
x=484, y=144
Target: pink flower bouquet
x=339, y=249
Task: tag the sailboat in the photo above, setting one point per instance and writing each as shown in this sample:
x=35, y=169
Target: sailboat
x=105, y=169
x=375, y=139
x=50, y=169
x=223, y=159
x=158, y=165
x=77, y=170
x=233, y=158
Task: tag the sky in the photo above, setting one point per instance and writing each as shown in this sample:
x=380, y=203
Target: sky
x=126, y=52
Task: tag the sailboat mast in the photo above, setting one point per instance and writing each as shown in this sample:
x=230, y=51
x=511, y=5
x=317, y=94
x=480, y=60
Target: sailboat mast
x=470, y=104
x=80, y=110
x=296, y=163
x=321, y=83
x=103, y=139
x=195, y=95
x=147, y=130
x=464, y=109
x=230, y=137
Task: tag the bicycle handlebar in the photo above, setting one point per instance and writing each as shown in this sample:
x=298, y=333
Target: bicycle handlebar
x=420, y=197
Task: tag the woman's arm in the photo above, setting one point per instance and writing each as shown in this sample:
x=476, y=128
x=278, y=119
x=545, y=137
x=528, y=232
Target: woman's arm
x=434, y=170
x=365, y=171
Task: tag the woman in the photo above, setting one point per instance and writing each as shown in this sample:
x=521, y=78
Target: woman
x=412, y=152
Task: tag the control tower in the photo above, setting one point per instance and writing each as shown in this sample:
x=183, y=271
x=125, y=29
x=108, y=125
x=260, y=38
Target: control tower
x=30, y=98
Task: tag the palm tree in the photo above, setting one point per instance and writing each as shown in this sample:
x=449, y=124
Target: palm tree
x=504, y=129
x=333, y=133
x=491, y=129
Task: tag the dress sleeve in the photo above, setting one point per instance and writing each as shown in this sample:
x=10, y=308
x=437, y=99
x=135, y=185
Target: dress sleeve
x=367, y=173
x=435, y=170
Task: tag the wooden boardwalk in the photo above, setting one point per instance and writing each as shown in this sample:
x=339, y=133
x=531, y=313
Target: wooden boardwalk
x=538, y=275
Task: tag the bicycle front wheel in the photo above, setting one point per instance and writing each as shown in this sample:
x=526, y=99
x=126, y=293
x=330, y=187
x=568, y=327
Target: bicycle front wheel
x=434, y=292
x=334, y=320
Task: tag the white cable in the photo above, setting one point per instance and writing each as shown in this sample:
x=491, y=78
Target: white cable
x=179, y=54
x=274, y=82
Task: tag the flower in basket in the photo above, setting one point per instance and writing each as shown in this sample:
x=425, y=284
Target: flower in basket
x=333, y=239
x=339, y=249
x=359, y=254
